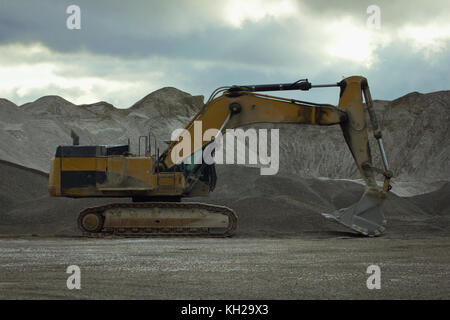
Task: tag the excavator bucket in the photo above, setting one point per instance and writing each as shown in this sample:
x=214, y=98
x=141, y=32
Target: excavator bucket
x=364, y=217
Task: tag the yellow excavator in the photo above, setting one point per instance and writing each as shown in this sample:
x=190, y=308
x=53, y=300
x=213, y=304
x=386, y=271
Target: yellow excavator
x=157, y=183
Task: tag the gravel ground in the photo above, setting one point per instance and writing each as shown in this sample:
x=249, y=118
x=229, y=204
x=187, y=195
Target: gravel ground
x=234, y=268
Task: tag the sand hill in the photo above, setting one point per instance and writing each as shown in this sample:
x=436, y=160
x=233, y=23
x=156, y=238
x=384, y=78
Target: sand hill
x=415, y=128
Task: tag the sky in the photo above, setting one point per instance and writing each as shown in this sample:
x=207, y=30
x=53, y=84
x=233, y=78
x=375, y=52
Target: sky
x=124, y=50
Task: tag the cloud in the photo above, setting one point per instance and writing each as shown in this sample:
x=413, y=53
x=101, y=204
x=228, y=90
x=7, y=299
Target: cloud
x=429, y=39
x=237, y=12
x=81, y=77
x=123, y=52
x=394, y=14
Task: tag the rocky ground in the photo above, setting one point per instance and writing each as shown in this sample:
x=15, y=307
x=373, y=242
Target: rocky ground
x=235, y=268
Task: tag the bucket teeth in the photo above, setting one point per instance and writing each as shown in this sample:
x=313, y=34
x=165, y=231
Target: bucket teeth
x=364, y=217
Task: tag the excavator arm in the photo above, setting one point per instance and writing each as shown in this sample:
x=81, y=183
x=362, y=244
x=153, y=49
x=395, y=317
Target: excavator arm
x=243, y=105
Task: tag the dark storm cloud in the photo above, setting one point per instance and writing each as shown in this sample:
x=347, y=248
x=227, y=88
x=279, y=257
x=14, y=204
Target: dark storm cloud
x=172, y=30
x=187, y=29
x=196, y=49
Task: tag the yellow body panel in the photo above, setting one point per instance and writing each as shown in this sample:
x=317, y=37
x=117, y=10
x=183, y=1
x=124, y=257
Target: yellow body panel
x=140, y=168
x=54, y=186
x=79, y=164
x=124, y=177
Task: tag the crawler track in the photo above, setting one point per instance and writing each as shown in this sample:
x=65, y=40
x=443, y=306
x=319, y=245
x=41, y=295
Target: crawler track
x=149, y=219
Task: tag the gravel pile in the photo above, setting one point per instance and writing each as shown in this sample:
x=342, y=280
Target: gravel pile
x=267, y=206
